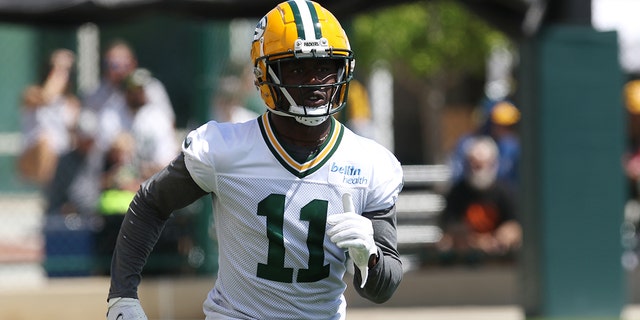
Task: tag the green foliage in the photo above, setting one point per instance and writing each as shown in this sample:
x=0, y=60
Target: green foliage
x=427, y=37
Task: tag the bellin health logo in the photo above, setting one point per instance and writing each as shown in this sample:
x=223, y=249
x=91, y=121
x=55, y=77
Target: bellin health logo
x=350, y=174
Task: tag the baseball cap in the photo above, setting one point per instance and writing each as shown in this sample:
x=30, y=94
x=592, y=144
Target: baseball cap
x=505, y=113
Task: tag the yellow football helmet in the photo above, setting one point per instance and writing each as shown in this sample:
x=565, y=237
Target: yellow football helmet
x=300, y=29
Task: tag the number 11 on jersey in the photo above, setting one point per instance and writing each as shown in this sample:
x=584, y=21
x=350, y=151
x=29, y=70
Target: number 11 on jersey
x=314, y=212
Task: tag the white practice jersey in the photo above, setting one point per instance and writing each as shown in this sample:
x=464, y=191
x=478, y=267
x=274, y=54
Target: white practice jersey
x=270, y=213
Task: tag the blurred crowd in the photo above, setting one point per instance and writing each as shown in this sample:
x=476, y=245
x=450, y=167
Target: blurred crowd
x=88, y=154
x=77, y=149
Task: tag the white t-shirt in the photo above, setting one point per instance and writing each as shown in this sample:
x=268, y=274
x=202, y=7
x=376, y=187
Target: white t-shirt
x=154, y=134
x=52, y=121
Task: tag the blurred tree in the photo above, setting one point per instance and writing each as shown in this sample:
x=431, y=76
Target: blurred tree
x=427, y=37
x=431, y=47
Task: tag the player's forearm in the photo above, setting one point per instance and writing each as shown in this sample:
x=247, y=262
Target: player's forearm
x=170, y=189
x=140, y=230
x=384, y=279
x=385, y=276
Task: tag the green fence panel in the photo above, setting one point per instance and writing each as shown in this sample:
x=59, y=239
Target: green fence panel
x=574, y=185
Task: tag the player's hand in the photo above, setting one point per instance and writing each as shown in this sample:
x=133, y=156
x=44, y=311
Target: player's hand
x=125, y=309
x=354, y=232
x=62, y=59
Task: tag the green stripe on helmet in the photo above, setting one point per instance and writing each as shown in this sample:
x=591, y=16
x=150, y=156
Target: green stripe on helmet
x=315, y=23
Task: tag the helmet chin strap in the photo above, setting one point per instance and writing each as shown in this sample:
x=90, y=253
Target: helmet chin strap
x=307, y=121
x=311, y=121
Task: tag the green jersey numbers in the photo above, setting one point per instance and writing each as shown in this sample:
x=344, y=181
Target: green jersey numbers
x=315, y=213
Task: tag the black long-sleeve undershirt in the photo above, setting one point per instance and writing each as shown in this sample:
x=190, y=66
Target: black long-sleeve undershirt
x=168, y=190
x=385, y=277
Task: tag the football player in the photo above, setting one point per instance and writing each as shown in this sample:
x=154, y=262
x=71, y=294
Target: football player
x=295, y=192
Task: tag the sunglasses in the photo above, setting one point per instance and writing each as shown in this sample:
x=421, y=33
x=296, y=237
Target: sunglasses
x=117, y=65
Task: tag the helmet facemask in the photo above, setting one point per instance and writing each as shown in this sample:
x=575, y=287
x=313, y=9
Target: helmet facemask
x=285, y=94
x=301, y=31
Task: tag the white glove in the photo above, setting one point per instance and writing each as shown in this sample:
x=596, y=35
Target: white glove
x=354, y=232
x=125, y=309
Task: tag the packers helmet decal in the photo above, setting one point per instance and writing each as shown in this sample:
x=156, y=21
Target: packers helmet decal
x=262, y=24
x=300, y=29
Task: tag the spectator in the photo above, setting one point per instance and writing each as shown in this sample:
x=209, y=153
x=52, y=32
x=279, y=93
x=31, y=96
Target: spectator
x=154, y=136
x=119, y=62
x=132, y=145
x=632, y=156
x=504, y=117
x=75, y=185
x=121, y=177
x=48, y=113
x=499, y=121
x=480, y=214
x=120, y=171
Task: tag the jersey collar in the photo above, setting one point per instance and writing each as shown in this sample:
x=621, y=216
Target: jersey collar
x=298, y=169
